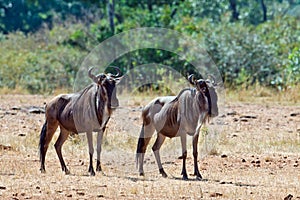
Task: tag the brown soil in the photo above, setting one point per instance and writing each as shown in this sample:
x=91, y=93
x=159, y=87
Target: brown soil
x=255, y=156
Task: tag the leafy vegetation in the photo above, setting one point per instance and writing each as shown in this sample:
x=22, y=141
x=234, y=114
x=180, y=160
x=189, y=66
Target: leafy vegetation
x=252, y=42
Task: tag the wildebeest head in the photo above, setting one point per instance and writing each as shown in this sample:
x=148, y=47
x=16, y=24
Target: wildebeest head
x=108, y=81
x=208, y=88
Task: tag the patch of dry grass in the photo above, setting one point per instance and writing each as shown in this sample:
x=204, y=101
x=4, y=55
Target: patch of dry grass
x=263, y=95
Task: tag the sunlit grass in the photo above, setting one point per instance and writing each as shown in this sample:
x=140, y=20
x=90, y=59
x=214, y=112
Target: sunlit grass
x=264, y=95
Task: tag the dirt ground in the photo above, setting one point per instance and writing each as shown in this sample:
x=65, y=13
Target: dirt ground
x=255, y=155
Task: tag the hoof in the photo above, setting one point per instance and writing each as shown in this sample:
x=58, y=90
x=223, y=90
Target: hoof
x=142, y=174
x=92, y=174
x=185, y=177
x=163, y=173
x=198, y=176
x=91, y=171
x=99, y=169
x=43, y=171
x=67, y=172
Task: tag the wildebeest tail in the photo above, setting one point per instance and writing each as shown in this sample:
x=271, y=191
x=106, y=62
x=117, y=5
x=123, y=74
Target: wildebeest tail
x=140, y=145
x=42, y=139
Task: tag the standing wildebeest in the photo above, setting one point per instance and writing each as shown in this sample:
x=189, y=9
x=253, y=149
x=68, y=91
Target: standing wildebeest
x=86, y=111
x=179, y=115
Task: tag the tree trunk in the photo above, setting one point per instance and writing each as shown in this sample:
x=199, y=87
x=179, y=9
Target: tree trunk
x=235, y=14
x=264, y=8
x=149, y=4
x=111, y=14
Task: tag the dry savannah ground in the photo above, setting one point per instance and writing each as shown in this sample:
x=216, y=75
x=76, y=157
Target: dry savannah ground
x=255, y=155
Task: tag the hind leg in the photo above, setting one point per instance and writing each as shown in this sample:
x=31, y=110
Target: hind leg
x=184, y=155
x=159, y=141
x=63, y=136
x=144, y=139
x=49, y=129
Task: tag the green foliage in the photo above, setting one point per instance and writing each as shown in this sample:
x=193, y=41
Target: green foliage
x=43, y=42
x=292, y=70
x=37, y=65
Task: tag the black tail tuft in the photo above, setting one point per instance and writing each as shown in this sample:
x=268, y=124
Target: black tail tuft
x=141, y=142
x=42, y=140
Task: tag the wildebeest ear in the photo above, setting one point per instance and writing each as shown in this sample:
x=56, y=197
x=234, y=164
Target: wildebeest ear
x=117, y=80
x=191, y=79
x=209, y=83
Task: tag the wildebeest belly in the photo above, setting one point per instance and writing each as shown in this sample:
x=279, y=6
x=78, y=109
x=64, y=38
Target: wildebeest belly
x=65, y=115
x=166, y=121
x=170, y=131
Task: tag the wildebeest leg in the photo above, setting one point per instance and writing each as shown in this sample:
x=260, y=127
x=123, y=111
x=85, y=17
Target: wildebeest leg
x=99, y=143
x=144, y=139
x=89, y=136
x=47, y=133
x=159, y=141
x=195, y=154
x=63, y=136
x=184, y=155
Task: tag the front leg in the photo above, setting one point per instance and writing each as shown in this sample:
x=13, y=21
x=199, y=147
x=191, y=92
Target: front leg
x=195, y=154
x=184, y=155
x=99, y=143
x=91, y=152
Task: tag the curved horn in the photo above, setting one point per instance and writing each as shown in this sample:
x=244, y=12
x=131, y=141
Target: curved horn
x=191, y=79
x=118, y=72
x=213, y=79
x=92, y=76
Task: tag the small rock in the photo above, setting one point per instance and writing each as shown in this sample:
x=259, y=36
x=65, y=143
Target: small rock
x=257, y=162
x=22, y=135
x=10, y=113
x=5, y=147
x=243, y=160
x=2, y=188
x=80, y=193
x=100, y=196
x=294, y=114
x=248, y=116
x=216, y=194
x=223, y=156
x=232, y=113
x=36, y=110
x=15, y=108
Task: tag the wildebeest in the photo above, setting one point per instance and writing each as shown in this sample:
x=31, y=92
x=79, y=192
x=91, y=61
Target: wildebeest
x=86, y=111
x=179, y=115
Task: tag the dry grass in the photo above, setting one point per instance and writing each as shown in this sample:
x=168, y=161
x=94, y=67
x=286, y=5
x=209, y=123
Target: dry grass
x=263, y=95
x=248, y=158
